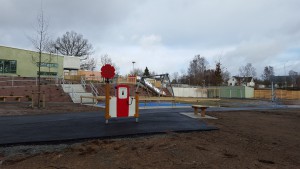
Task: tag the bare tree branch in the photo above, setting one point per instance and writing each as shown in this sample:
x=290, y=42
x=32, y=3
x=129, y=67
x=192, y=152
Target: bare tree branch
x=40, y=42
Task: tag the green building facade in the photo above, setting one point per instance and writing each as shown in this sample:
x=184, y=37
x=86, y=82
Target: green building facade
x=231, y=92
x=24, y=63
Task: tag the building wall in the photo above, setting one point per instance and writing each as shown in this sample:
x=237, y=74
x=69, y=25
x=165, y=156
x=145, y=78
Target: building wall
x=189, y=92
x=91, y=75
x=249, y=92
x=236, y=92
x=71, y=63
x=251, y=84
x=232, y=81
x=231, y=92
x=27, y=62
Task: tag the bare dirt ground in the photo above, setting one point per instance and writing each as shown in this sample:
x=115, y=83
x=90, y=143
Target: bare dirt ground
x=246, y=139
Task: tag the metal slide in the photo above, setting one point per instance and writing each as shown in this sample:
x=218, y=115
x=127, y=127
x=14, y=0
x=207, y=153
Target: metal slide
x=143, y=80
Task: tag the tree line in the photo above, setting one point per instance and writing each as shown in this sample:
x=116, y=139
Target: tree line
x=199, y=74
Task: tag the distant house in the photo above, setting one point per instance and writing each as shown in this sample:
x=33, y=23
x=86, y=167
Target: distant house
x=286, y=81
x=241, y=81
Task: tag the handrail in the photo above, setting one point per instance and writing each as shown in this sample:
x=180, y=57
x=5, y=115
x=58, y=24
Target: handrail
x=83, y=83
x=94, y=89
x=63, y=82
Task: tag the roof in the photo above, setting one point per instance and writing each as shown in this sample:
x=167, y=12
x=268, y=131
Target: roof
x=244, y=79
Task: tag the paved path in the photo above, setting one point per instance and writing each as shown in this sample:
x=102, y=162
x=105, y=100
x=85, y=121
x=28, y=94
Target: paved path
x=75, y=126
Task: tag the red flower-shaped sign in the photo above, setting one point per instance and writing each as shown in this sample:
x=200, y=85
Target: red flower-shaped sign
x=108, y=71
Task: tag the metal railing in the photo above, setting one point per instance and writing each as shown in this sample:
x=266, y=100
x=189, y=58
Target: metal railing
x=94, y=90
x=83, y=83
x=63, y=82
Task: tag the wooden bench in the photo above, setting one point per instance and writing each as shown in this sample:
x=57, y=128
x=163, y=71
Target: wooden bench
x=95, y=99
x=17, y=97
x=203, y=108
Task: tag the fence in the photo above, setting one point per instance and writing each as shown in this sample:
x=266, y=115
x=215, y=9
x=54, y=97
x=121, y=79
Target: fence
x=14, y=81
x=280, y=94
x=189, y=92
x=126, y=80
x=72, y=77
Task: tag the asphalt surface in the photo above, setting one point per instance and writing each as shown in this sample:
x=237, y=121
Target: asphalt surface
x=77, y=126
x=89, y=125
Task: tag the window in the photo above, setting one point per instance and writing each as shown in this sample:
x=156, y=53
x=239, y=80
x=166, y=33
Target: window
x=43, y=64
x=1, y=66
x=47, y=73
x=8, y=66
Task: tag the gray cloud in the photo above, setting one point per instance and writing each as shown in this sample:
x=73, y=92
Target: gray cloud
x=261, y=32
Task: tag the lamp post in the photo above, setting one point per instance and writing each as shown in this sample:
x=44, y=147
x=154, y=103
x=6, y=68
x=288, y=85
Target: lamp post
x=133, y=62
x=56, y=49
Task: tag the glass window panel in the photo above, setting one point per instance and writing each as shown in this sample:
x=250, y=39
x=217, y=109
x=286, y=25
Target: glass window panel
x=8, y=66
x=1, y=66
x=13, y=66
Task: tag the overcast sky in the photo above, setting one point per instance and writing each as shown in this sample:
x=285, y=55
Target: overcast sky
x=165, y=35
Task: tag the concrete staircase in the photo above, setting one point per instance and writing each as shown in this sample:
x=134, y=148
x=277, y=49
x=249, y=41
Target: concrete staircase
x=75, y=91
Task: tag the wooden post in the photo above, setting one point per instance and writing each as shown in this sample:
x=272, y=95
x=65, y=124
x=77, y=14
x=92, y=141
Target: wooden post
x=136, y=115
x=195, y=110
x=44, y=100
x=203, y=111
x=107, y=98
x=32, y=102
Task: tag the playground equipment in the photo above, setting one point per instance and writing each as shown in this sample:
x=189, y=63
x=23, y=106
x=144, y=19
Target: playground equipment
x=121, y=105
x=165, y=82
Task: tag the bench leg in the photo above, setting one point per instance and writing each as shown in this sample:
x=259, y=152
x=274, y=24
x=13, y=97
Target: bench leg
x=203, y=112
x=195, y=111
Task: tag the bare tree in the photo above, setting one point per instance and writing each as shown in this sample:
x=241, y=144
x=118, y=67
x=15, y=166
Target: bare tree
x=293, y=76
x=73, y=44
x=196, y=70
x=105, y=59
x=88, y=64
x=152, y=73
x=40, y=42
x=175, y=77
x=137, y=71
x=247, y=71
x=225, y=75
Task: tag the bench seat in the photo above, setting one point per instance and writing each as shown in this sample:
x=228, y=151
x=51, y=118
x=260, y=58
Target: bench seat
x=202, y=107
x=17, y=97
